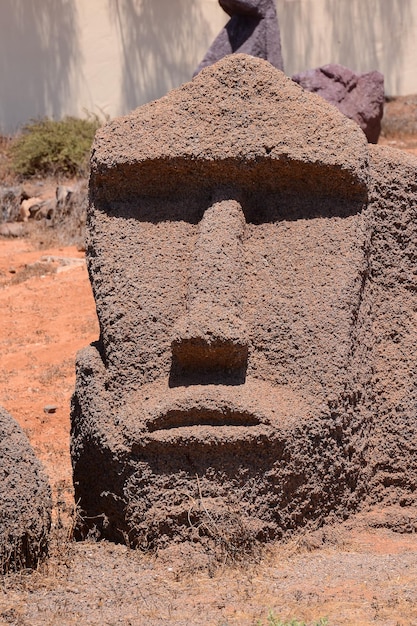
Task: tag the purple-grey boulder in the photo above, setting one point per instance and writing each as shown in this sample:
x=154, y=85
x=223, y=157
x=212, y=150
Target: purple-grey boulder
x=253, y=29
x=25, y=500
x=358, y=96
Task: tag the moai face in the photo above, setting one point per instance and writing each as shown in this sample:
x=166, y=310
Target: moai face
x=229, y=304
x=229, y=324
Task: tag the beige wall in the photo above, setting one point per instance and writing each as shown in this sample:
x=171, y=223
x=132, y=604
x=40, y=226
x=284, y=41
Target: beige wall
x=61, y=57
x=361, y=34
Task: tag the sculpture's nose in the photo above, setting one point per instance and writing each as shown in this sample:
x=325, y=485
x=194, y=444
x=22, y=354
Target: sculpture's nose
x=211, y=337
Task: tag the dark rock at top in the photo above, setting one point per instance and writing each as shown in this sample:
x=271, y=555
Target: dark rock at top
x=253, y=29
x=25, y=499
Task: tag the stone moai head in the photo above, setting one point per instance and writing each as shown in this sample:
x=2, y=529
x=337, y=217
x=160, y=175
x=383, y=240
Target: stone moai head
x=229, y=243
x=252, y=29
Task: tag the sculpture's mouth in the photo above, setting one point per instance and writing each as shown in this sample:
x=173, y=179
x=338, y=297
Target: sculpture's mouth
x=207, y=426
x=210, y=414
x=185, y=418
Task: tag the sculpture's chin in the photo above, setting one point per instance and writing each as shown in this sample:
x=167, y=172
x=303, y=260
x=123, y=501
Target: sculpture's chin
x=255, y=460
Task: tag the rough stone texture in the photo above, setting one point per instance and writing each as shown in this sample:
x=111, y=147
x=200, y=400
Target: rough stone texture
x=253, y=29
x=238, y=123
x=358, y=96
x=10, y=200
x=25, y=500
x=232, y=233
x=70, y=210
x=393, y=273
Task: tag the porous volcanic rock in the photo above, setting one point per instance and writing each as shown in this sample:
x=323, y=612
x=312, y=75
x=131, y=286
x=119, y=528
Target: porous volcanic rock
x=25, y=501
x=10, y=199
x=358, y=96
x=253, y=29
x=231, y=395
x=392, y=455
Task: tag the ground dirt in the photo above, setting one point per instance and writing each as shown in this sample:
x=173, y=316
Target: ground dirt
x=354, y=574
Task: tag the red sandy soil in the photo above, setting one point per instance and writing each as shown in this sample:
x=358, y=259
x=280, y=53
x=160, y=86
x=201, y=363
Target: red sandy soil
x=47, y=314
x=353, y=574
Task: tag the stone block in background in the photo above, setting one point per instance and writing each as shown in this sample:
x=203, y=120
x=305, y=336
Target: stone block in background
x=358, y=96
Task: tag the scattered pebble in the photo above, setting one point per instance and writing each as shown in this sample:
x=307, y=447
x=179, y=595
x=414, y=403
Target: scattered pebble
x=50, y=408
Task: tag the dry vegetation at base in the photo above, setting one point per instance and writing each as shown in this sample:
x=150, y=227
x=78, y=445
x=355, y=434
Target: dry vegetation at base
x=353, y=574
x=354, y=578
x=48, y=147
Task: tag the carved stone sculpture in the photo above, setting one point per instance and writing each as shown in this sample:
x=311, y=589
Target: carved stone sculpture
x=253, y=29
x=358, y=96
x=25, y=500
x=244, y=246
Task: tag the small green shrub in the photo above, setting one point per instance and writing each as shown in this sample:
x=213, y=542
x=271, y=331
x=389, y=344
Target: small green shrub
x=275, y=621
x=54, y=147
